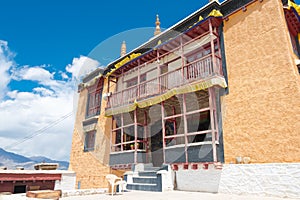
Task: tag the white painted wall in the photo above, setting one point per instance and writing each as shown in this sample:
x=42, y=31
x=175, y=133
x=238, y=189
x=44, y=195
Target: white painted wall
x=67, y=182
x=277, y=180
x=167, y=178
x=199, y=180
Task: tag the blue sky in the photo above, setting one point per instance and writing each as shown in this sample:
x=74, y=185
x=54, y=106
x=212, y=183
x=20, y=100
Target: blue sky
x=42, y=46
x=53, y=32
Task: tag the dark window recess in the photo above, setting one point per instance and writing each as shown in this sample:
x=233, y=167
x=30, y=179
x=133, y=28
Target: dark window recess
x=94, y=99
x=132, y=82
x=19, y=189
x=89, y=141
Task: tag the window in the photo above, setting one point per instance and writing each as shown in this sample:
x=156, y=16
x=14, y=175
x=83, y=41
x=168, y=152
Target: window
x=123, y=133
x=89, y=141
x=132, y=82
x=94, y=99
x=198, y=124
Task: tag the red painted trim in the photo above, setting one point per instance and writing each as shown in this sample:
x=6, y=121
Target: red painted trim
x=185, y=166
x=194, y=166
x=29, y=177
x=205, y=165
x=175, y=167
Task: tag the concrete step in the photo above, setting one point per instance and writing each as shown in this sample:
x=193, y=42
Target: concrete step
x=151, y=168
x=148, y=173
x=145, y=179
x=143, y=187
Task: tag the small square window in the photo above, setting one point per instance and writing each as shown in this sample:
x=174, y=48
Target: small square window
x=94, y=99
x=89, y=141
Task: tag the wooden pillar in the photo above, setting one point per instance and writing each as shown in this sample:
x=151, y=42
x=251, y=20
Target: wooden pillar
x=135, y=136
x=111, y=135
x=216, y=117
x=163, y=129
x=146, y=135
x=108, y=84
x=220, y=71
x=122, y=95
x=212, y=46
x=182, y=61
x=211, y=92
x=122, y=132
x=158, y=72
x=138, y=81
x=185, y=128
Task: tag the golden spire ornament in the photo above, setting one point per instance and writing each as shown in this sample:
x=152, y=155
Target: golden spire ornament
x=157, y=27
x=123, y=49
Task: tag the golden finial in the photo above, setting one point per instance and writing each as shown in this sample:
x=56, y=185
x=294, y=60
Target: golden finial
x=157, y=28
x=123, y=49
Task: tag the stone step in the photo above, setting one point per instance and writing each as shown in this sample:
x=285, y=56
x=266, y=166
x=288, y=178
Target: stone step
x=145, y=179
x=151, y=168
x=147, y=173
x=143, y=187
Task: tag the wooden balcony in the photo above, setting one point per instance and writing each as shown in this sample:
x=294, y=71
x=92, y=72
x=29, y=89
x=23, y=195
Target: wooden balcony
x=197, y=71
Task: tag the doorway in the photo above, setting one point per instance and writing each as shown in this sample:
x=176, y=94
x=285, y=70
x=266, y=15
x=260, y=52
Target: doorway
x=19, y=189
x=156, y=146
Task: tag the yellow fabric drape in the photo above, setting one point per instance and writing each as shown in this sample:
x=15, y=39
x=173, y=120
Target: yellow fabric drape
x=123, y=62
x=293, y=5
x=215, y=13
x=220, y=81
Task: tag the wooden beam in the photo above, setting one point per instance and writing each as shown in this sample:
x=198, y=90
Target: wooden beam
x=163, y=130
x=185, y=128
x=212, y=122
x=135, y=136
x=212, y=45
x=44, y=194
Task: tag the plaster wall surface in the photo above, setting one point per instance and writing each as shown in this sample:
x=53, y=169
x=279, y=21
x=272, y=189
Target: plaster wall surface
x=91, y=167
x=274, y=180
x=67, y=182
x=261, y=113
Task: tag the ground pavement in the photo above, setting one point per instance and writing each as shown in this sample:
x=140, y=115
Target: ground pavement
x=136, y=195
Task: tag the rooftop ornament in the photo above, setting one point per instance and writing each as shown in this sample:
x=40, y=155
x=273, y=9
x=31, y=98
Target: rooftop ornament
x=157, y=28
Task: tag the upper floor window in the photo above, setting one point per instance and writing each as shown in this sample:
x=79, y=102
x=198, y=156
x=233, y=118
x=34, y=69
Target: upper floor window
x=89, y=140
x=94, y=99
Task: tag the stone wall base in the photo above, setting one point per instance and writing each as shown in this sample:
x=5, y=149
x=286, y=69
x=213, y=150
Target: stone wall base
x=277, y=180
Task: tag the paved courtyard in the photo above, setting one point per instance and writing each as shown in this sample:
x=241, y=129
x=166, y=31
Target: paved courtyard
x=153, y=195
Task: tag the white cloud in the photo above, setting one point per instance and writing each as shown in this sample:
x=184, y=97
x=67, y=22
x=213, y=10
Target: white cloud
x=43, y=91
x=81, y=66
x=43, y=115
x=5, y=64
x=36, y=73
x=64, y=75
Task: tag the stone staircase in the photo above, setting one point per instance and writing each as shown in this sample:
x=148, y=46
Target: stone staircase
x=144, y=178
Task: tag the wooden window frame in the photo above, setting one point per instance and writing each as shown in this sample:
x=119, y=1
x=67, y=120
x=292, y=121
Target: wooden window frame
x=89, y=141
x=94, y=100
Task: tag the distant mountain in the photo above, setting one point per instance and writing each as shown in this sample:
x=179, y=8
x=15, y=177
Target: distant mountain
x=13, y=160
x=12, y=156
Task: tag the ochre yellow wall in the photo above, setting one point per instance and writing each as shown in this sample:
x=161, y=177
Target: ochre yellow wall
x=91, y=167
x=261, y=113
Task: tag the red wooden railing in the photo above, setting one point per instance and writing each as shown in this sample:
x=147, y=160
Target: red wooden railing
x=191, y=72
